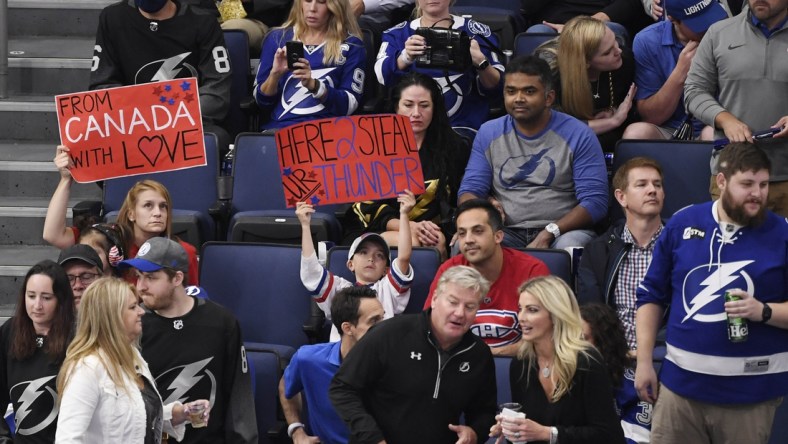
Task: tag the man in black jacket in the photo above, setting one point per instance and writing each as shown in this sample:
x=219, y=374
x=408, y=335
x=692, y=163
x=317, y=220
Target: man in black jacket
x=411, y=377
x=613, y=264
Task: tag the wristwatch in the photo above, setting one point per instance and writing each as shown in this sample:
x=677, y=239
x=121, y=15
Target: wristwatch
x=483, y=65
x=553, y=229
x=553, y=435
x=766, y=314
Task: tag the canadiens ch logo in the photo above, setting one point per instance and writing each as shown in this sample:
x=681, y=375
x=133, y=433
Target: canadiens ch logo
x=177, y=324
x=704, y=287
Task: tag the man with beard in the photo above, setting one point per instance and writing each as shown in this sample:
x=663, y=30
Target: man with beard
x=141, y=41
x=192, y=345
x=479, y=234
x=714, y=390
x=738, y=84
x=544, y=169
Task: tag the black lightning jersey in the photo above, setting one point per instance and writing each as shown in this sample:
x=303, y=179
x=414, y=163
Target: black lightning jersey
x=200, y=356
x=30, y=385
x=131, y=49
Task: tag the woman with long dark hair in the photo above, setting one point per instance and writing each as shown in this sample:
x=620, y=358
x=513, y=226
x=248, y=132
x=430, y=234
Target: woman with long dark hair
x=32, y=347
x=443, y=154
x=603, y=329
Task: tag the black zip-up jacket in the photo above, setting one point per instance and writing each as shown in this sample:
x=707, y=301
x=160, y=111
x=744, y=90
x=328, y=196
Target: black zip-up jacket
x=599, y=265
x=397, y=385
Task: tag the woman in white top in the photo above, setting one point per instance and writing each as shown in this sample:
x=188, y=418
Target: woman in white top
x=107, y=394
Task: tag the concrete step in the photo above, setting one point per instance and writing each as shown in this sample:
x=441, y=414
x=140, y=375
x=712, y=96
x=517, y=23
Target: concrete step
x=49, y=65
x=14, y=263
x=54, y=17
x=22, y=220
x=28, y=172
x=28, y=117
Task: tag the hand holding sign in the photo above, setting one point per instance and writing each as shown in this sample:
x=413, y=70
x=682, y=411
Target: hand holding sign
x=63, y=161
x=131, y=130
x=348, y=159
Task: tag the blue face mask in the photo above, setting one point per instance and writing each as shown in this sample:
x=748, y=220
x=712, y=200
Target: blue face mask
x=150, y=6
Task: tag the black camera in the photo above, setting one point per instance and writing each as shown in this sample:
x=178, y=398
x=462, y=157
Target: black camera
x=446, y=49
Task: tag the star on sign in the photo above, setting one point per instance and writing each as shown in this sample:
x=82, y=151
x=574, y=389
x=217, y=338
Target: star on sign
x=168, y=88
x=189, y=98
x=162, y=99
x=287, y=171
x=312, y=174
x=186, y=86
x=171, y=101
x=291, y=201
x=315, y=200
x=157, y=90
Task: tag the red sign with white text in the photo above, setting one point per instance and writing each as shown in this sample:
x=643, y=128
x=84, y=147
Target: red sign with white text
x=132, y=130
x=348, y=159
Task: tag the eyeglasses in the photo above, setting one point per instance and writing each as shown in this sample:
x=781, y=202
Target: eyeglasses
x=86, y=278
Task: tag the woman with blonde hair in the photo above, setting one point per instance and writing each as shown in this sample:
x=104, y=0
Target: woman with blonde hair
x=146, y=212
x=327, y=80
x=559, y=379
x=596, y=78
x=105, y=384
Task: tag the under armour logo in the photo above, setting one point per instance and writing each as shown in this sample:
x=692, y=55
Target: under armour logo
x=177, y=324
x=465, y=366
x=416, y=356
x=154, y=26
x=39, y=342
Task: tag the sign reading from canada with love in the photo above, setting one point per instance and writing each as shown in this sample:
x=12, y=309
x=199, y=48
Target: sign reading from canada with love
x=132, y=130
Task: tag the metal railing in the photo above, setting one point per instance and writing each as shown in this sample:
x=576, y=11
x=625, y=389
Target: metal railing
x=3, y=49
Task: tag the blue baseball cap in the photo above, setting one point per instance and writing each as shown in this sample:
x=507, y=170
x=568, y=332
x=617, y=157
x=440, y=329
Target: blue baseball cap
x=698, y=15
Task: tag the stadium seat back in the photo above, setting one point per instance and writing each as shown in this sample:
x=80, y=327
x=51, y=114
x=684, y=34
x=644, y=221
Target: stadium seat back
x=264, y=366
x=525, y=43
x=559, y=262
x=192, y=190
x=261, y=285
x=237, y=43
x=685, y=167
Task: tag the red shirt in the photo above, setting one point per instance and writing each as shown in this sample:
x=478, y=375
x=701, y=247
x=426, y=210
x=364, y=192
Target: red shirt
x=496, y=321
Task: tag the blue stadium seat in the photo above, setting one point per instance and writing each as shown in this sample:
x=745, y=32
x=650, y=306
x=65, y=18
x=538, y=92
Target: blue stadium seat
x=192, y=191
x=504, y=22
x=685, y=167
x=259, y=211
x=237, y=43
x=502, y=364
x=558, y=261
x=260, y=284
x=264, y=365
x=424, y=260
x=525, y=43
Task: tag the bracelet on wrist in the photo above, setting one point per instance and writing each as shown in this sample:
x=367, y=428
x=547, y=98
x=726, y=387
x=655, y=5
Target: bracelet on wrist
x=293, y=427
x=405, y=57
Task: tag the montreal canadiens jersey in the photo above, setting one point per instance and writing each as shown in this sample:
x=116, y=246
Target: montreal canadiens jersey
x=344, y=82
x=131, y=49
x=31, y=387
x=200, y=356
x=462, y=91
x=695, y=261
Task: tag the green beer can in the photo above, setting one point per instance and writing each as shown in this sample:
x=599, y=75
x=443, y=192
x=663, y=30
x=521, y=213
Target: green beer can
x=737, y=327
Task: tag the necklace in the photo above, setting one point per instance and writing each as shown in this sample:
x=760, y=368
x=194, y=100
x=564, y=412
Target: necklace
x=596, y=94
x=546, y=372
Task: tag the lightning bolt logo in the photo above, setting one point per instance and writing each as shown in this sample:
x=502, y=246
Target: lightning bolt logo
x=723, y=276
x=301, y=93
x=33, y=390
x=168, y=69
x=187, y=378
x=446, y=87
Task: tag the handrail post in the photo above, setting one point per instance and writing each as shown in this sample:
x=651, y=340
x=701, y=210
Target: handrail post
x=3, y=49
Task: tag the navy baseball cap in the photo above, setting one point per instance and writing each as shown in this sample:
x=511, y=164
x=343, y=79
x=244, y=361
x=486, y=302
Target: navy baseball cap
x=158, y=253
x=698, y=15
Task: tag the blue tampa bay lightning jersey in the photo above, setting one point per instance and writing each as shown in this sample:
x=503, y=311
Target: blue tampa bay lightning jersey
x=293, y=103
x=462, y=91
x=695, y=261
x=635, y=414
